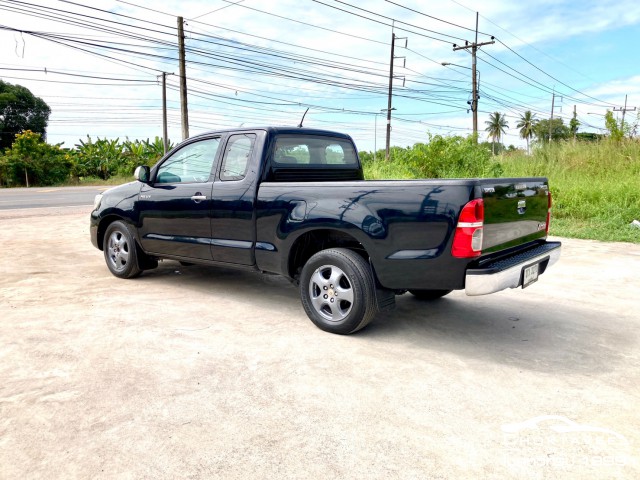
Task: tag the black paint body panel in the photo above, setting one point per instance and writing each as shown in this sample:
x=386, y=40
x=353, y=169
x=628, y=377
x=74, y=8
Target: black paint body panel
x=406, y=227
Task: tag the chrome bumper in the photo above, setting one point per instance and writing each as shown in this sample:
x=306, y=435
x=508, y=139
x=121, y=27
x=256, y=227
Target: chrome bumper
x=507, y=273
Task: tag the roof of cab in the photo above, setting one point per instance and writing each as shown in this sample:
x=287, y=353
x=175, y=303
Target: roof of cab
x=276, y=130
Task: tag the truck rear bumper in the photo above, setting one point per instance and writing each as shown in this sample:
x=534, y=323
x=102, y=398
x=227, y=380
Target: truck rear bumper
x=509, y=272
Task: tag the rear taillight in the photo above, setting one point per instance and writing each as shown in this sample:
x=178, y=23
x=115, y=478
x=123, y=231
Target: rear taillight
x=467, y=241
x=548, y=212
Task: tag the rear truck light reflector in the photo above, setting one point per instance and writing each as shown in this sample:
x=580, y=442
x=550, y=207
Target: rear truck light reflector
x=467, y=240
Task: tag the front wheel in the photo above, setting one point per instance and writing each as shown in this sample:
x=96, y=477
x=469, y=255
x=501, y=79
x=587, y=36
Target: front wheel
x=337, y=290
x=120, y=251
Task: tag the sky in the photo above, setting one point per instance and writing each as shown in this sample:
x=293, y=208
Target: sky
x=97, y=64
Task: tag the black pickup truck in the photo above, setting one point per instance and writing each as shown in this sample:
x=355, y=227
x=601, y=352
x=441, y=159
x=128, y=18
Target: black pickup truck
x=294, y=202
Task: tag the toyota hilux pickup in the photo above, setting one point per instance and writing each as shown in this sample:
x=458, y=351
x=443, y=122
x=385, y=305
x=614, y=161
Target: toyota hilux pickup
x=294, y=202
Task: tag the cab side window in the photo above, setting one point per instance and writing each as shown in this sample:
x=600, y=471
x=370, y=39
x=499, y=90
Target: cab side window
x=237, y=155
x=192, y=163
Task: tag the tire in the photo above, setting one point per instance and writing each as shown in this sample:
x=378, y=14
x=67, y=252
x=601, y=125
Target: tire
x=337, y=290
x=120, y=251
x=429, y=294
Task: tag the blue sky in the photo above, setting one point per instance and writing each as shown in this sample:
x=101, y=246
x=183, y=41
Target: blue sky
x=589, y=47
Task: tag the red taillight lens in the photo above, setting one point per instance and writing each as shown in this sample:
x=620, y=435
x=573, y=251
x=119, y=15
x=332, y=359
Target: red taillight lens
x=548, y=213
x=467, y=241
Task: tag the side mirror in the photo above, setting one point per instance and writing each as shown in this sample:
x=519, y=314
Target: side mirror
x=142, y=174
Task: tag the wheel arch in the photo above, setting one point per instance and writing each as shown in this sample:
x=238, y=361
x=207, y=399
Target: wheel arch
x=104, y=224
x=313, y=241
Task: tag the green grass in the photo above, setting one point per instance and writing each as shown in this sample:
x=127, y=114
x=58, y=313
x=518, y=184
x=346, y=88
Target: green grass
x=595, y=186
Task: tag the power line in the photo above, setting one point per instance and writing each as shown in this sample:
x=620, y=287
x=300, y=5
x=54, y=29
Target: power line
x=260, y=37
x=217, y=9
x=379, y=22
x=214, y=42
x=54, y=72
x=539, y=86
x=75, y=83
x=551, y=76
x=390, y=18
x=146, y=8
x=525, y=42
x=312, y=25
x=436, y=18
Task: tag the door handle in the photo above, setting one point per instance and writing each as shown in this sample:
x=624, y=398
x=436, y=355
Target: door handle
x=198, y=197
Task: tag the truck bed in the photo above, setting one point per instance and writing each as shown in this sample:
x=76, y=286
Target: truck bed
x=405, y=226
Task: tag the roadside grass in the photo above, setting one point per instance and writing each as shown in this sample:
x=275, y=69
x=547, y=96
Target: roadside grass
x=595, y=186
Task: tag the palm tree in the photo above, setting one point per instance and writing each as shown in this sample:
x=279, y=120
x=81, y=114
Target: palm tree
x=495, y=128
x=526, y=124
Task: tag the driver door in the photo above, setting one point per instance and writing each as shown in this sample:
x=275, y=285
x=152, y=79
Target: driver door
x=175, y=208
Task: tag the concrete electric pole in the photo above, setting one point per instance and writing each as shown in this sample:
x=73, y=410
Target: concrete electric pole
x=390, y=96
x=165, y=134
x=553, y=101
x=183, y=80
x=624, y=110
x=473, y=48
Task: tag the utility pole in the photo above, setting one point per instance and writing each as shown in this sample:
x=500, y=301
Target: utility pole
x=553, y=100
x=474, y=96
x=390, y=96
x=375, y=137
x=575, y=119
x=183, y=81
x=624, y=110
x=165, y=134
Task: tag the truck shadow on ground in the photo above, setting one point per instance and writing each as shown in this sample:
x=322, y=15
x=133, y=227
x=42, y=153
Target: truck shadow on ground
x=514, y=328
x=510, y=328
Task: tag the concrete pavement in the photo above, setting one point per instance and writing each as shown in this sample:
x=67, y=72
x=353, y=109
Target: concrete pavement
x=193, y=372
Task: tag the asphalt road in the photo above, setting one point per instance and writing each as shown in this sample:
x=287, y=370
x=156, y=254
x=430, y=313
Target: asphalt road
x=193, y=372
x=47, y=197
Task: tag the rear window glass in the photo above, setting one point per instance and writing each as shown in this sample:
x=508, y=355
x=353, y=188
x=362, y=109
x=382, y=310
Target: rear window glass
x=314, y=150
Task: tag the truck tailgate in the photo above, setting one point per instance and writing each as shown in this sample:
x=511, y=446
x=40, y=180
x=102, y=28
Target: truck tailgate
x=515, y=212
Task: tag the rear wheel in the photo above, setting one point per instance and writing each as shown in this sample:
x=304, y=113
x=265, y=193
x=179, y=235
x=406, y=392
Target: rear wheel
x=120, y=251
x=429, y=294
x=337, y=290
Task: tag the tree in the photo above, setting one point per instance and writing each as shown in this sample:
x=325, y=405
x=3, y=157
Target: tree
x=559, y=131
x=617, y=130
x=495, y=127
x=20, y=110
x=574, y=124
x=525, y=124
x=32, y=161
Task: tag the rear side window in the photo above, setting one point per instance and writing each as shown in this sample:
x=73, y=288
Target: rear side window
x=236, y=156
x=314, y=150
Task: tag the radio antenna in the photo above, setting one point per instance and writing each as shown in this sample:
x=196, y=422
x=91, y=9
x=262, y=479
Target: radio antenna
x=302, y=120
